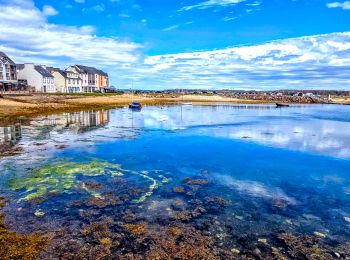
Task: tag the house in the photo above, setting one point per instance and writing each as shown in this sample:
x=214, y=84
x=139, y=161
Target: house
x=66, y=81
x=8, y=74
x=37, y=76
x=92, y=78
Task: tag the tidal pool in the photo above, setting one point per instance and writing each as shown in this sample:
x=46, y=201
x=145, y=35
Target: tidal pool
x=216, y=181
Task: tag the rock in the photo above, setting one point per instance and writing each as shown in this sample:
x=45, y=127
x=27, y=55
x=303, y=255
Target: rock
x=179, y=189
x=39, y=213
x=319, y=234
x=336, y=254
x=262, y=240
x=235, y=251
x=238, y=217
x=347, y=219
x=191, y=181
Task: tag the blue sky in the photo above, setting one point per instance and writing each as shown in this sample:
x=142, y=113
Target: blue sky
x=239, y=44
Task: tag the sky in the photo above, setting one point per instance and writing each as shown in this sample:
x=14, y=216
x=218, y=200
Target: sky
x=195, y=44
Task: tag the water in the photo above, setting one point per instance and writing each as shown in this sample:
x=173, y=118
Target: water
x=212, y=181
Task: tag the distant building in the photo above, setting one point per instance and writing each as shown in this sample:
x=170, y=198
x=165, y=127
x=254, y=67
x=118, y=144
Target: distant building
x=37, y=76
x=66, y=81
x=92, y=78
x=8, y=74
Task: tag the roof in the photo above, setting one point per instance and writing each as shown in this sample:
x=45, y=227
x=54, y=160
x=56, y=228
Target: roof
x=90, y=70
x=20, y=66
x=3, y=56
x=45, y=73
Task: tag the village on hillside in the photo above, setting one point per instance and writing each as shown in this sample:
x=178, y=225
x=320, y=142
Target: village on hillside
x=44, y=79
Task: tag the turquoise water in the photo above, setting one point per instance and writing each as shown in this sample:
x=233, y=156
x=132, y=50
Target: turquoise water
x=228, y=181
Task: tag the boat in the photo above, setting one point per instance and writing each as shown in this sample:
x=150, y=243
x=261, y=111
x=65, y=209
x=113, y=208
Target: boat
x=281, y=105
x=135, y=105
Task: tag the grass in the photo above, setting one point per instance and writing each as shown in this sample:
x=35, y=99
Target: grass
x=83, y=94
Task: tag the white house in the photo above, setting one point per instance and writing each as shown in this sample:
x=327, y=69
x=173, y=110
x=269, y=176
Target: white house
x=92, y=78
x=37, y=76
x=66, y=81
x=8, y=74
x=73, y=82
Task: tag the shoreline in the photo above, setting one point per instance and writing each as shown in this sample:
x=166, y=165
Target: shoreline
x=39, y=104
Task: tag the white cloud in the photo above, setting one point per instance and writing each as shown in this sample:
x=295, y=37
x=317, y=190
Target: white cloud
x=42, y=42
x=212, y=3
x=170, y=28
x=49, y=10
x=321, y=61
x=98, y=8
x=79, y=1
x=345, y=5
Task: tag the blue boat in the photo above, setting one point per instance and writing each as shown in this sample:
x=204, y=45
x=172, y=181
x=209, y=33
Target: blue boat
x=135, y=105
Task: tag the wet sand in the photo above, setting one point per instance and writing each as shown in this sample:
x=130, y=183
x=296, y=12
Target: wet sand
x=43, y=104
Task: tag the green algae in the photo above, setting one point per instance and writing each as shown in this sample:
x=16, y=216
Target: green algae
x=61, y=178
x=152, y=186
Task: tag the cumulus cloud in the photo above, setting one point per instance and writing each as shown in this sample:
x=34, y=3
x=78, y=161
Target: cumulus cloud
x=344, y=5
x=321, y=61
x=42, y=42
x=212, y=3
x=49, y=10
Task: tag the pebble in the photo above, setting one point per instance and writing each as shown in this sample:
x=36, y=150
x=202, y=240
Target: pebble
x=239, y=217
x=288, y=221
x=319, y=234
x=347, y=219
x=39, y=213
x=235, y=251
x=262, y=240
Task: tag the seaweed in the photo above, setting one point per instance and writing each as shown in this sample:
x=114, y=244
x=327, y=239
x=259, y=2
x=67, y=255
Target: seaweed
x=16, y=246
x=136, y=229
x=60, y=178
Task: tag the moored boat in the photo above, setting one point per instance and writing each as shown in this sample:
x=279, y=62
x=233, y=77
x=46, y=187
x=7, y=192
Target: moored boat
x=281, y=105
x=135, y=105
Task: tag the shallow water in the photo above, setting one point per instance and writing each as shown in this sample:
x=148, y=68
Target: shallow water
x=214, y=181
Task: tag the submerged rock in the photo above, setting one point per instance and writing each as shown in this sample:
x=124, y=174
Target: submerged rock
x=319, y=234
x=39, y=213
x=15, y=246
x=179, y=190
x=174, y=231
x=186, y=242
x=304, y=247
x=183, y=215
x=191, y=181
x=136, y=229
x=216, y=201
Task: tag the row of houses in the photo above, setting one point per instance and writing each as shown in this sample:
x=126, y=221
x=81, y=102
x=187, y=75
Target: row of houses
x=41, y=78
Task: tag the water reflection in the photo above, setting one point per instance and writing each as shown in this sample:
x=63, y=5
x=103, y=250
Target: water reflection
x=10, y=134
x=9, y=138
x=301, y=128
x=182, y=182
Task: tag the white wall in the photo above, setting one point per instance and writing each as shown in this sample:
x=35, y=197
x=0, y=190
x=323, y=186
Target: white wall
x=35, y=79
x=60, y=82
